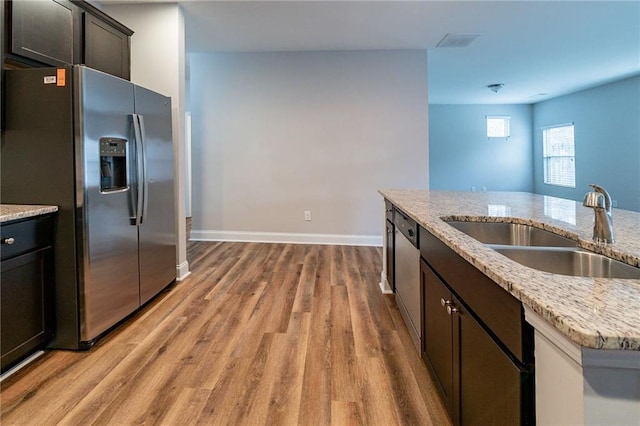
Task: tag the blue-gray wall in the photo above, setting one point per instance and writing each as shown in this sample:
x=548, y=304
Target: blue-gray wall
x=607, y=136
x=461, y=156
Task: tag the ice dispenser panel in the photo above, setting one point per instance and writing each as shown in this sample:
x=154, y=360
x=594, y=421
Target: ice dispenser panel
x=113, y=164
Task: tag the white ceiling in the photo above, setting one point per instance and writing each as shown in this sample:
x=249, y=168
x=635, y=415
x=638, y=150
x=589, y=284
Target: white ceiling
x=532, y=47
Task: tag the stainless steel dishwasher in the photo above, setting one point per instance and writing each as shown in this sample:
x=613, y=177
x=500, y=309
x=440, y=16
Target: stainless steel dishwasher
x=407, y=275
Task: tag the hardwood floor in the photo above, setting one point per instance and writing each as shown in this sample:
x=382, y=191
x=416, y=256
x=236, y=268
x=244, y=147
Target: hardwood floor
x=273, y=334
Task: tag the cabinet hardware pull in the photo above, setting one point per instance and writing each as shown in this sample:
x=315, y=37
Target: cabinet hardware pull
x=445, y=302
x=451, y=310
x=8, y=241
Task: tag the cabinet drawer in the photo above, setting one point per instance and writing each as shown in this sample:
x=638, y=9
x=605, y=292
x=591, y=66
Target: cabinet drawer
x=27, y=234
x=499, y=311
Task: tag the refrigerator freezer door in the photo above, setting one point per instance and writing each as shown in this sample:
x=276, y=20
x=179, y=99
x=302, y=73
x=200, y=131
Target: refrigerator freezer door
x=108, y=243
x=157, y=241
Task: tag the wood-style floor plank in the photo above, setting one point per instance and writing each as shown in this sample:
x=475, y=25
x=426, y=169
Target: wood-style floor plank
x=258, y=334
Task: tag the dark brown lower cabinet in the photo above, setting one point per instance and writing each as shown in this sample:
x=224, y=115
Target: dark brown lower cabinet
x=390, y=244
x=26, y=292
x=438, y=333
x=391, y=255
x=492, y=388
x=481, y=380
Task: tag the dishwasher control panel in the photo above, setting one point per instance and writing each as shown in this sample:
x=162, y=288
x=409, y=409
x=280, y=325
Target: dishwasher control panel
x=407, y=226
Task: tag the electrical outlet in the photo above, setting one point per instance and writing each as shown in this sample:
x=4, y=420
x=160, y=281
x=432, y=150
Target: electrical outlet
x=614, y=203
x=307, y=215
x=473, y=189
x=484, y=189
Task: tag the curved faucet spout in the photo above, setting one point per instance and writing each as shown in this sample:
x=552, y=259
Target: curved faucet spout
x=600, y=201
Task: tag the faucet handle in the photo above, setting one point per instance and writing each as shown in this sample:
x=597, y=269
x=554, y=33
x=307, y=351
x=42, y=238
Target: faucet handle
x=605, y=194
x=595, y=200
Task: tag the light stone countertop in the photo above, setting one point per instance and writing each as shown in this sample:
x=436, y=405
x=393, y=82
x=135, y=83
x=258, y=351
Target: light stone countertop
x=10, y=212
x=592, y=312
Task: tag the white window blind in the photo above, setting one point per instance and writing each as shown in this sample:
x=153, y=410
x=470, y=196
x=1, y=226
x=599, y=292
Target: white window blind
x=498, y=126
x=559, y=155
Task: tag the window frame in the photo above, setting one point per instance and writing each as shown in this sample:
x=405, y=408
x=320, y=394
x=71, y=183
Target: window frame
x=547, y=157
x=506, y=119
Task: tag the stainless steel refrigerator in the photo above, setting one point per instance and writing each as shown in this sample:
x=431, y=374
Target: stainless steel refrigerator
x=100, y=148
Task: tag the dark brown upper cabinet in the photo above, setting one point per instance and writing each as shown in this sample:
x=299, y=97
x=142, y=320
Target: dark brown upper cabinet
x=106, y=48
x=44, y=31
x=63, y=32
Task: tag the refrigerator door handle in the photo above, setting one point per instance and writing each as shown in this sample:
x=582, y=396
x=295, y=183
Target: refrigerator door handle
x=145, y=181
x=138, y=202
x=132, y=170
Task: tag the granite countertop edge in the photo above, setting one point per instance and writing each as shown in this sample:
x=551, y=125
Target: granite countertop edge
x=11, y=212
x=594, y=313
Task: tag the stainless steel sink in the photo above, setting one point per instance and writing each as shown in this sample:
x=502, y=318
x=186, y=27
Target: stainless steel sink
x=544, y=250
x=567, y=261
x=512, y=234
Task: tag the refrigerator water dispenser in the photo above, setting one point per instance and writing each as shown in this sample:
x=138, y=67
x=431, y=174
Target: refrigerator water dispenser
x=113, y=164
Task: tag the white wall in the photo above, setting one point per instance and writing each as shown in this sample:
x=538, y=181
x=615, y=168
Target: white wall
x=158, y=63
x=275, y=134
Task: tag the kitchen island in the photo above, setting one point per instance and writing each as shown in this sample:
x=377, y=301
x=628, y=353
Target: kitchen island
x=590, y=324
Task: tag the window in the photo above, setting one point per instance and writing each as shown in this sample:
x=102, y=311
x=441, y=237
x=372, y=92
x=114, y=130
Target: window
x=498, y=126
x=559, y=155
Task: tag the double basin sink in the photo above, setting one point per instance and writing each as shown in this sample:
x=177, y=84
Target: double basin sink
x=545, y=251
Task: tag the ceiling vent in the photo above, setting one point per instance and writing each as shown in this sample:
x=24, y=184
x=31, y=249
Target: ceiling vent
x=457, y=40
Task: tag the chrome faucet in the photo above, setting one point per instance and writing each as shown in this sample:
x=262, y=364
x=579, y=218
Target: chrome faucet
x=600, y=201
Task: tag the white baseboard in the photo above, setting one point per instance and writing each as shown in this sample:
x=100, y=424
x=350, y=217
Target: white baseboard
x=182, y=271
x=282, y=237
x=384, y=284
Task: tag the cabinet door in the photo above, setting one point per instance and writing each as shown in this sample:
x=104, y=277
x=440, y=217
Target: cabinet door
x=390, y=256
x=437, y=349
x=2, y=53
x=491, y=386
x=26, y=296
x=43, y=31
x=105, y=48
